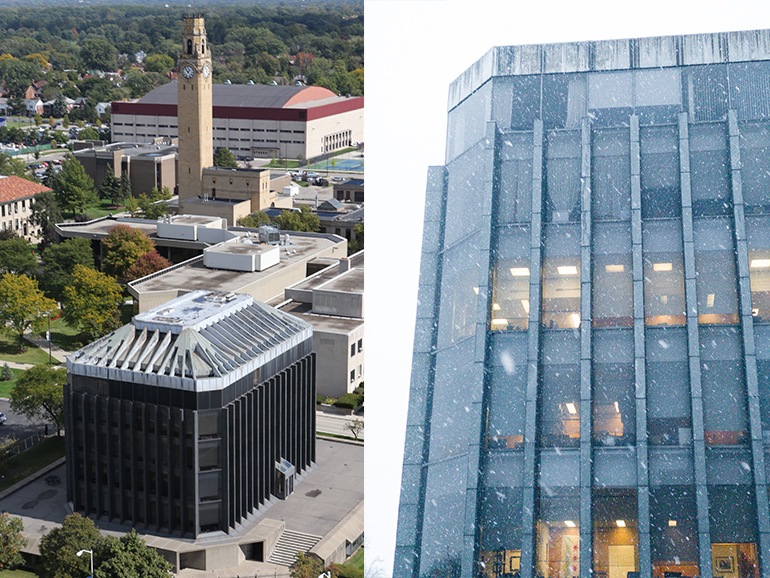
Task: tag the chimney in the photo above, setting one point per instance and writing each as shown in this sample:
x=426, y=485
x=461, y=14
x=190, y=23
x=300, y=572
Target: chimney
x=344, y=265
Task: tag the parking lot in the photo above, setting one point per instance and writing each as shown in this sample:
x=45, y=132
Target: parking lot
x=18, y=426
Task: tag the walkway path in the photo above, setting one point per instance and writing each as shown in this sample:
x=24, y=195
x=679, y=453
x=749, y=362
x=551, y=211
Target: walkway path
x=56, y=352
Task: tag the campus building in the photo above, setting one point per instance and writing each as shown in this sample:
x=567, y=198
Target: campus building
x=192, y=419
x=16, y=198
x=591, y=375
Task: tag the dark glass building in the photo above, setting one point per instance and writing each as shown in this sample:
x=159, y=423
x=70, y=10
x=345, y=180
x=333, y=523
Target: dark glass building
x=193, y=417
x=591, y=374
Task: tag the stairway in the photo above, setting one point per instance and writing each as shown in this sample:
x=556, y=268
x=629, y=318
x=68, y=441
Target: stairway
x=289, y=544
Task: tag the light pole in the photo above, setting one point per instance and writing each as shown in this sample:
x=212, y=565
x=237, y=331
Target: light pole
x=92, y=560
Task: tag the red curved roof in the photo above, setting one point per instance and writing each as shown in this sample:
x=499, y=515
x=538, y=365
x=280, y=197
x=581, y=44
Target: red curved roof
x=310, y=93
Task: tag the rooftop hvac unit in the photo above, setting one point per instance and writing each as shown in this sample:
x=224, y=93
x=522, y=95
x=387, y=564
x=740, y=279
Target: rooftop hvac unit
x=270, y=235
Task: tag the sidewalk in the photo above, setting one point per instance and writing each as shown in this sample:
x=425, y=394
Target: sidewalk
x=56, y=352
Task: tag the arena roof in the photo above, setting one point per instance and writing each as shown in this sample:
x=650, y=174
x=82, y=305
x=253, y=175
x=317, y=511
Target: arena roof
x=247, y=95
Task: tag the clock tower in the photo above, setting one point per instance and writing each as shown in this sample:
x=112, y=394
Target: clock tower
x=194, y=112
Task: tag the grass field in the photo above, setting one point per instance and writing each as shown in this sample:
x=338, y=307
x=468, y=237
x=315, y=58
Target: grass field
x=104, y=208
x=27, y=463
x=17, y=574
x=7, y=386
x=9, y=351
x=357, y=559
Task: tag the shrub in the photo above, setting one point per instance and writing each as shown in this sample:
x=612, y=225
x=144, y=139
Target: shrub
x=6, y=374
x=349, y=401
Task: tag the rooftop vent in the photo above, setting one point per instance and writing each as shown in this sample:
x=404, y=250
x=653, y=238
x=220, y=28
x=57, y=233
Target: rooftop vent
x=270, y=235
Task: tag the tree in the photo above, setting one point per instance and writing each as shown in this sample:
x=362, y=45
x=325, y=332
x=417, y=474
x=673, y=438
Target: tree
x=59, y=548
x=59, y=106
x=51, y=121
x=356, y=245
x=356, y=427
x=125, y=185
x=22, y=306
x=17, y=75
x=98, y=54
x=110, y=188
x=74, y=189
x=38, y=119
x=224, y=158
x=302, y=220
x=123, y=246
x=146, y=265
x=254, y=220
x=88, y=133
x=65, y=121
x=306, y=567
x=10, y=166
x=91, y=302
x=39, y=395
x=129, y=557
x=11, y=541
x=147, y=208
x=45, y=213
x=7, y=373
x=161, y=63
x=16, y=257
x=59, y=261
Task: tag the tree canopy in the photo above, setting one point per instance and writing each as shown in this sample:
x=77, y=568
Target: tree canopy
x=17, y=257
x=74, y=189
x=224, y=158
x=91, y=302
x=45, y=213
x=110, y=188
x=11, y=541
x=39, y=395
x=129, y=557
x=302, y=220
x=123, y=246
x=59, y=548
x=10, y=166
x=59, y=262
x=146, y=265
x=254, y=220
x=23, y=306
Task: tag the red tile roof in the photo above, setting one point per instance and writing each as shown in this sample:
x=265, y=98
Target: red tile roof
x=13, y=188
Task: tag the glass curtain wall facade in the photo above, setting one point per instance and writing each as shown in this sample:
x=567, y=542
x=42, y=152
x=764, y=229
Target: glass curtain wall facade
x=591, y=374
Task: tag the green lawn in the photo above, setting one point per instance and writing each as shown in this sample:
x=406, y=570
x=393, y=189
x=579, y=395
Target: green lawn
x=104, y=208
x=17, y=574
x=27, y=463
x=357, y=559
x=65, y=336
x=7, y=386
x=283, y=163
x=9, y=351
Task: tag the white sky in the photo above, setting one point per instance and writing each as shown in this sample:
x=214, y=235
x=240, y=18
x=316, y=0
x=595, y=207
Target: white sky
x=414, y=49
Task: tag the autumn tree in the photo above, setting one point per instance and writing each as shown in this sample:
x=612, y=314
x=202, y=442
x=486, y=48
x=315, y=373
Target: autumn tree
x=16, y=257
x=91, y=302
x=305, y=566
x=146, y=265
x=59, y=548
x=123, y=246
x=60, y=260
x=11, y=541
x=39, y=395
x=23, y=307
x=74, y=189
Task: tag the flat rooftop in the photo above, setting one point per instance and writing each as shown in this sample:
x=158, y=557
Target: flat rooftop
x=352, y=281
x=129, y=149
x=325, y=275
x=192, y=310
x=322, y=323
x=194, y=275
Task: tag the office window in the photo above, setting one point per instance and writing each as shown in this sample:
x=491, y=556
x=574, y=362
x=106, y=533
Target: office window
x=733, y=523
x=611, y=175
x=360, y=345
x=464, y=186
x=613, y=291
x=715, y=271
x=668, y=387
x=616, y=531
x=560, y=390
x=710, y=170
x=758, y=233
x=352, y=375
x=561, y=277
x=562, y=177
x=558, y=532
x=673, y=530
x=467, y=122
x=510, y=280
x=725, y=417
x=516, y=102
x=515, y=197
x=614, y=403
x=663, y=274
x=661, y=196
x=707, y=92
x=352, y=349
x=755, y=158
x=500, y=513
x=506, y=407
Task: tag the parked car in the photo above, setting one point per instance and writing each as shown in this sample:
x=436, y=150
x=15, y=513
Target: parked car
x=2, y=418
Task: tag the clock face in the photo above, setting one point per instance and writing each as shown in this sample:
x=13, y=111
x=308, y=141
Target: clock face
x=187, y=72
x=206, y=71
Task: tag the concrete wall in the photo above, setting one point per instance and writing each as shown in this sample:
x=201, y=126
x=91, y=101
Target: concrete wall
x=317, y=129
x=231, y=212
x=340, y=303
x=249, y=184
x=334, y=362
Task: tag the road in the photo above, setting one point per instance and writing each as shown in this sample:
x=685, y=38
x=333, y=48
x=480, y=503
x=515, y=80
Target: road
x=18, y=426
x=335, y=424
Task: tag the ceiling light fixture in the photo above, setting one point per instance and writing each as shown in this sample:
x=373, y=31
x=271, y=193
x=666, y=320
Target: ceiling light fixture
x=662, y=266
x=621, y=523
x=569, y=523
x=567, y=270
x=520, y=271
x=571, y=408
x=614, y=268
x=760, y=263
